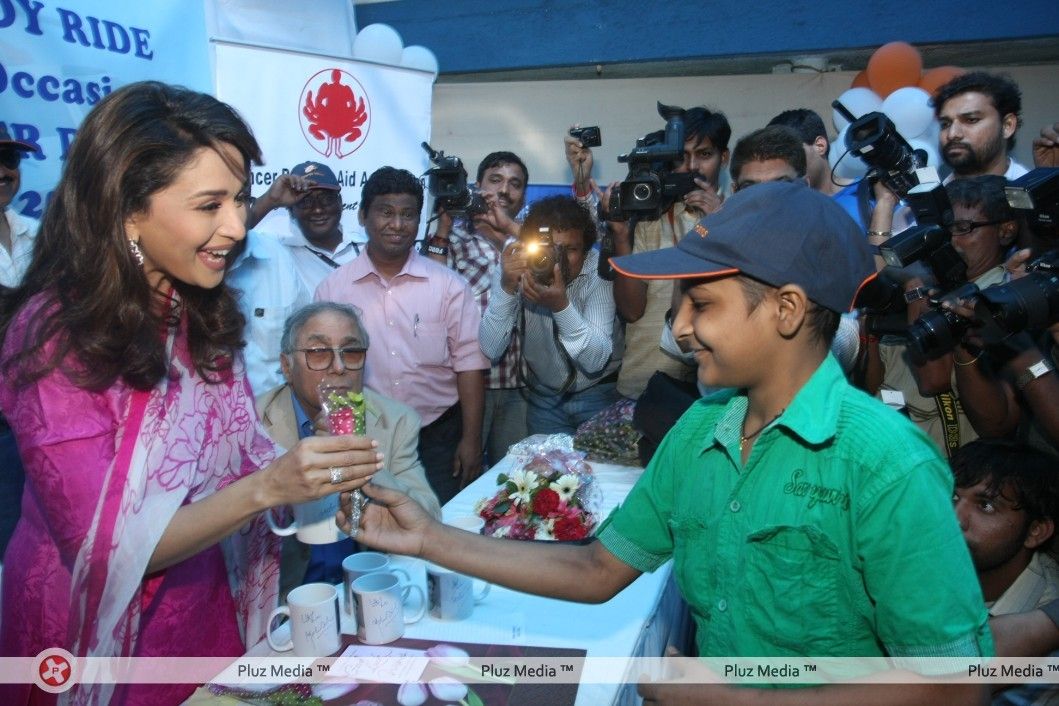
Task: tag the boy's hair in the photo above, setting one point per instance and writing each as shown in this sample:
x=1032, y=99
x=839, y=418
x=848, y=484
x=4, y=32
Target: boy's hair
x=985, y=192
x=561, y=213
x=390, y=180
x=1018, y=472
x=822, y=322
x=499, y=159
x=773, y=142
x=1001, y=89
x=700, y=122
x=807, y=123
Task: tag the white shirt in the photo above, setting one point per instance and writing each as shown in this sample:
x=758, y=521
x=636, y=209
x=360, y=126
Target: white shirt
x=268, y=292
x=13, y=264
x=313, y=263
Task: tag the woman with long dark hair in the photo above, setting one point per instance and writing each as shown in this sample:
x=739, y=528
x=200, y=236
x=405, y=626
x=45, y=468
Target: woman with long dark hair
x=142, y=530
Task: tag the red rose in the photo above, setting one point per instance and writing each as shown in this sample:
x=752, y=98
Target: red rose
x=545, y=502
x=569, y=528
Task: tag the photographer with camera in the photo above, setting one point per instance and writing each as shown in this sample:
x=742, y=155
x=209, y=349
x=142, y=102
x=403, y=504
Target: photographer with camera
x=470, y=243
x=979, y=114
x=549, y=296
x=930, y=388
x=643, y=304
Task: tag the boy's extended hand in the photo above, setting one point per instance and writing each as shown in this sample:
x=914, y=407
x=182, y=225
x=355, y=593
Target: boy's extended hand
x=391, y=522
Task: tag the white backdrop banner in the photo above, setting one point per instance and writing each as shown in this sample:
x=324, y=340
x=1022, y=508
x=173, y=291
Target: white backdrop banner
x=57, y=62
x=352, y=116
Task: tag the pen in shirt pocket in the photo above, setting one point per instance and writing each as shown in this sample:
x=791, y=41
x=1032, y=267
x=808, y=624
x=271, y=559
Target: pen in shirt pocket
x=415, y=326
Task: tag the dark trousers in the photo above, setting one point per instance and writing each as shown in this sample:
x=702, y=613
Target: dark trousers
x=437, y=448
x=12, y=478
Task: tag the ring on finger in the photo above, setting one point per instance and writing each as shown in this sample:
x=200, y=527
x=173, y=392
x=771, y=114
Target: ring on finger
x=336, y=475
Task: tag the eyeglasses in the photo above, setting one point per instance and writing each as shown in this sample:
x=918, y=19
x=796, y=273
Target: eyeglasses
x=10, y=159
x=965, y=227
x=320, y=199
x=324, y=358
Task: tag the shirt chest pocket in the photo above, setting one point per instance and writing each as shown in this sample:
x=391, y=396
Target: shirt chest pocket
x=430, y=343
x=792, y=589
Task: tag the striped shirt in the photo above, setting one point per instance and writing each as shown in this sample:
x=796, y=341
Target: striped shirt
x=588, y=330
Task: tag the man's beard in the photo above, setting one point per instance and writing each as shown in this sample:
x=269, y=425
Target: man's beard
x=968, y=161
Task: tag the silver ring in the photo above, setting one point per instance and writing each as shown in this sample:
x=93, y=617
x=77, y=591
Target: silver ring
x=336, y=475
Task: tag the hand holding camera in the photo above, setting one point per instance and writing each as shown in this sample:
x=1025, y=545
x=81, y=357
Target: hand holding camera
x=550, y=294
x=702, y=200
x=578, y=145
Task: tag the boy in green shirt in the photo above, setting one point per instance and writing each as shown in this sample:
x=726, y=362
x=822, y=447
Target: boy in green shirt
x=803, y=517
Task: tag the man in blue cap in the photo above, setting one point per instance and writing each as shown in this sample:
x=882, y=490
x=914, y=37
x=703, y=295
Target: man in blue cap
x=803, y=517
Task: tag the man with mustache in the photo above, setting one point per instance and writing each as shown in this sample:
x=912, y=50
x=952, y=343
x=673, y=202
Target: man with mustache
x=471, y=246
x=979, y=114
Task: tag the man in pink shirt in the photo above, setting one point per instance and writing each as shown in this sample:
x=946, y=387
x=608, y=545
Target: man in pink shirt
x=422, y=319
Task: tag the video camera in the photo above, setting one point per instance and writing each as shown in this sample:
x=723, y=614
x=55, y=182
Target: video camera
x=651, y=186
x=874, y=138
x=447, y=183
x=542, y=253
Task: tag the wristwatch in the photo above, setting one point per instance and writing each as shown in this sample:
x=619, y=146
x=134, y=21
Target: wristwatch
x=1041, y=367
x=916, y=294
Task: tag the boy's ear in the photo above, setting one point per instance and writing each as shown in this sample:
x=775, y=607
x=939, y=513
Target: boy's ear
x=792, y=307
x=1040, y=532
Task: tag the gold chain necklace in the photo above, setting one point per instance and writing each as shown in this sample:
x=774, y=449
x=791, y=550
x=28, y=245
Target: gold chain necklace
x=747, y=437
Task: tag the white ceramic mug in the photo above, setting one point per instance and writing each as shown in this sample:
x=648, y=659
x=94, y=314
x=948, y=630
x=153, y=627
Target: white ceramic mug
x=414, y=567
x=471, y=523
x=361, y=564
x=313, y=613
x=380, y=602
x=314, y=522
x=452, y=595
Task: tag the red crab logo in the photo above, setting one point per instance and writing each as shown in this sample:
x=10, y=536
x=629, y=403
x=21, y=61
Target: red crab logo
x=333, y=119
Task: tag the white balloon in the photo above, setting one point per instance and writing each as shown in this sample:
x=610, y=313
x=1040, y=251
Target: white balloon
x=848, y=166
x=860, y=101
x=909, y=108
x=379, y=43
x=417, y=57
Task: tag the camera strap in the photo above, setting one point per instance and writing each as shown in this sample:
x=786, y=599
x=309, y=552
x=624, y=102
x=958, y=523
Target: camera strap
x=949, y=413
x=523, y=365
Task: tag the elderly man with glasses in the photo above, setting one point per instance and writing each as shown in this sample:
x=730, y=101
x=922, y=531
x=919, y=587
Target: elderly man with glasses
x=325, y=342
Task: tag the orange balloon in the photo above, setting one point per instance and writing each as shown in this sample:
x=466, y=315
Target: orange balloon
x=892, y=66
x=860, y=80
x=934, y=79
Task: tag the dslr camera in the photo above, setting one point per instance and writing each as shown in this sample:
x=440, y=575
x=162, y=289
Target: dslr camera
x=541, y=254
x=587, y=136
x=447, y=183
x=651, y=186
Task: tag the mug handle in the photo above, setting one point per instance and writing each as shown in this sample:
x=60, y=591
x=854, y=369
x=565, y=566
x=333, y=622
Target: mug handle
x=405, y=590
x=289, y=644
x=479, y=597
x=281, y=531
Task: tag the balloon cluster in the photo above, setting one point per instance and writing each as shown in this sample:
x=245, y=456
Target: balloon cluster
x=895, y=84
x=382, y=44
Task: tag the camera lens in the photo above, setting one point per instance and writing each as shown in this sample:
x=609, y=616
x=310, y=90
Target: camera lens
x=642, y=192
x=937, y=331
x=1031, y=302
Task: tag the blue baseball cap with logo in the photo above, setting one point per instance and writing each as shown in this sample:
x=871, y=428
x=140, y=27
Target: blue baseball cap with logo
x=777, y=232
x=319, y=174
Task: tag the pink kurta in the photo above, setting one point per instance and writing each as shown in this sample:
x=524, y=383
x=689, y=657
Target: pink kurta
x=95, y=505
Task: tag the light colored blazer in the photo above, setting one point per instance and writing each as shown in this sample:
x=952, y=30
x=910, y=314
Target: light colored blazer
x=394, y=425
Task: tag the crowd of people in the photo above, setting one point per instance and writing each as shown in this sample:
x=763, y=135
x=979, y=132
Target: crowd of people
x=153, y=340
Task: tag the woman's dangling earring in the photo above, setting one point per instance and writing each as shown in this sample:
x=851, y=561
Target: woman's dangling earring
x=137, y=254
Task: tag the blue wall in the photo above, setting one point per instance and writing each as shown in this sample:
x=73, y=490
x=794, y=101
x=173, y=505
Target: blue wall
x=475, y=35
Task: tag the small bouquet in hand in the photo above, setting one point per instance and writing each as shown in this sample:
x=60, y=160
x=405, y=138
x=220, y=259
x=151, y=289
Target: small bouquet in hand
x=550, y=497
x=346, y=411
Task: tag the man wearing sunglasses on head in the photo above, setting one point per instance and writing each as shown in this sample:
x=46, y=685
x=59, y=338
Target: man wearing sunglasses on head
x=16, y=249
x=325, y=342
x=16, y=231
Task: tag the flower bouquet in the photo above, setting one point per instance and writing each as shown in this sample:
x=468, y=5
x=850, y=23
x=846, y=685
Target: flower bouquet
x=346, y=414
x=551, y=497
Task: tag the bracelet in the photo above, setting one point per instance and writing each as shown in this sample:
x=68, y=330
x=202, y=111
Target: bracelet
x=884, y=234
x=972, y=361
x=437, y=250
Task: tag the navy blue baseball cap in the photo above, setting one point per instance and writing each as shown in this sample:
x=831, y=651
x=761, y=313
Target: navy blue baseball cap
x=319, y=174
x=776, y=232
